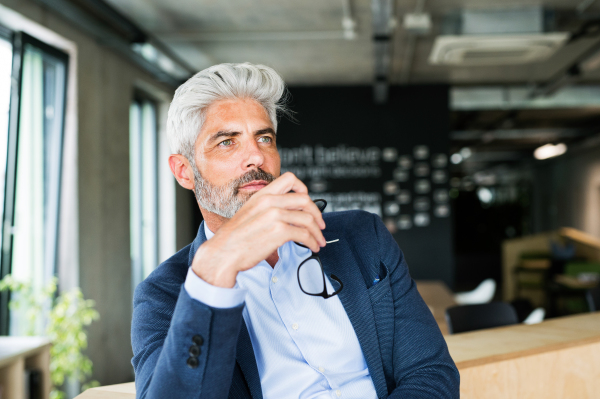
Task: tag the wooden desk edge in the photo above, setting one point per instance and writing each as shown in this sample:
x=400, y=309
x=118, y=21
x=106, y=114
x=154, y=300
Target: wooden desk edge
x=26, y=353
x=526, y=352
x=117, y=391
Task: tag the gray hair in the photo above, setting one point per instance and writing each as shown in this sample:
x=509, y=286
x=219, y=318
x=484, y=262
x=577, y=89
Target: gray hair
x=218, y=82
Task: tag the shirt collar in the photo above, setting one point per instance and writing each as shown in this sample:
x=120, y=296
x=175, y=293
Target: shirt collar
x=209, y=234
x=199, y=240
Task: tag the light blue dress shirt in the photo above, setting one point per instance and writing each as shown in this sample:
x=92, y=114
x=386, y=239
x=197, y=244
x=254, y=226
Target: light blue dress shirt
x=305, y=346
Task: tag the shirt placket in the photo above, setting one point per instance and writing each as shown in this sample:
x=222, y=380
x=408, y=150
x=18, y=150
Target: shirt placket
x=280, y=276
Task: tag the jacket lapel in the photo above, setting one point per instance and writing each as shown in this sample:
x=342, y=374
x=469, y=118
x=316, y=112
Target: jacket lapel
x=245, y=358
x=337, y=259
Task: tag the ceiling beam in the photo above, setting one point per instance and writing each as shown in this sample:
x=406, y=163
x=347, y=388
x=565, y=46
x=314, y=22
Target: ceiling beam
x=249, y=36
x=518, y=134
x=104, y=32
x=382, y=12
x=517, y=97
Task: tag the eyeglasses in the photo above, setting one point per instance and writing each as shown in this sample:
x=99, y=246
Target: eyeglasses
x=311, y=276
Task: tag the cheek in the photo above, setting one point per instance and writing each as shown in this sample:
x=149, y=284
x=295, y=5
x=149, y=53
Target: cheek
x=219, y=170
x=274, y=163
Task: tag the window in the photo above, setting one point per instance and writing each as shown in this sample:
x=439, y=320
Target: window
x=143, y=179
x=33, y=153
x=5, y=82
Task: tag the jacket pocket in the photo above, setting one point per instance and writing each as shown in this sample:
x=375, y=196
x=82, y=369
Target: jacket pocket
x=381, y=289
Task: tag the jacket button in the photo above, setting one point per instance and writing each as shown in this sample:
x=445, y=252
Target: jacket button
x=198, y=340
x=194, y=351
x=192, y=362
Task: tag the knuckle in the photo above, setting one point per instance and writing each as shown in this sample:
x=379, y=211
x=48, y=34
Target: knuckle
x=274, y=213
x=265, y=199
x=279, y=228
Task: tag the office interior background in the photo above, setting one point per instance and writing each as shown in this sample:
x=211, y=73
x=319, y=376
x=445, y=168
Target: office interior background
x=472, y=127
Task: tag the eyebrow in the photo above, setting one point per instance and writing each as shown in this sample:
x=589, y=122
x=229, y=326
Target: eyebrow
x=265, y=131
x=226, y=133
x=223, y=133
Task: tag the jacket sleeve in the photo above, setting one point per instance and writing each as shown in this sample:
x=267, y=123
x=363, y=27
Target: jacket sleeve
x=167, y=324
x=422, y=365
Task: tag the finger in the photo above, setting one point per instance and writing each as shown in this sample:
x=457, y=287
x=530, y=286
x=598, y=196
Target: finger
x=292, y=201
x=284, y=184
x=300, y=235
x=303, y=220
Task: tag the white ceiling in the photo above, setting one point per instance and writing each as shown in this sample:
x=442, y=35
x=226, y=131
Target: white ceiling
x=303, y=40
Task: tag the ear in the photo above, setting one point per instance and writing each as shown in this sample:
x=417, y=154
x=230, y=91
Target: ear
x=182, y=171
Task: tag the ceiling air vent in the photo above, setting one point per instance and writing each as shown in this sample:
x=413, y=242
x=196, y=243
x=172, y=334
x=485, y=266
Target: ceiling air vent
x=472, y=50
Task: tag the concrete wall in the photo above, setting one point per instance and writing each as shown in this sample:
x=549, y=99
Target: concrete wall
x=105, y=85
x=567, y=192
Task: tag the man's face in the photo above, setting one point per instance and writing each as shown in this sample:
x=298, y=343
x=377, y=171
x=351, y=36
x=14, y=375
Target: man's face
x=235, y=154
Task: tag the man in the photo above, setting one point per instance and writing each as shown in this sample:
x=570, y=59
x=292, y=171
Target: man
x=226, y=317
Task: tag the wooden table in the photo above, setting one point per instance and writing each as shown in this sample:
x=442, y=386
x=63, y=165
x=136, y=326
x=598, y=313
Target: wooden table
x=438, y=297
x=119, y=391
x=558, y=358
x=18, y=354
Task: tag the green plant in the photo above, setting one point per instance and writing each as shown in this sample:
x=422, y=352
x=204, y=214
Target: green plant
x=69, y=314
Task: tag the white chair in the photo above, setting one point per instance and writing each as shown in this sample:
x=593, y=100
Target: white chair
x=537, y=316
x=482, y=294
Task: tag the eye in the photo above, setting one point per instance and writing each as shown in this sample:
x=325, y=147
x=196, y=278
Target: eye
x=226, y=143
x=265, y=139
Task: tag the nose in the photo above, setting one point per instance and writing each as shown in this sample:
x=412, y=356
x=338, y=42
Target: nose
x=254, y=157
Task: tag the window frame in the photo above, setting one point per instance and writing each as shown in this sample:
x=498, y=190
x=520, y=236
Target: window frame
x=19, y=41
x=139, y=267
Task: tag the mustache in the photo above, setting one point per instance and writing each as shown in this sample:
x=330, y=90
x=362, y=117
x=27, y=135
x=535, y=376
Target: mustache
x=254, y=174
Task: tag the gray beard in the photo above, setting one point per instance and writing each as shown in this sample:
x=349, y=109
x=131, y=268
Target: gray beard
x=225, y=200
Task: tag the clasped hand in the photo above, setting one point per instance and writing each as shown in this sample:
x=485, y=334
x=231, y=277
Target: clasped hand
x=272, y=216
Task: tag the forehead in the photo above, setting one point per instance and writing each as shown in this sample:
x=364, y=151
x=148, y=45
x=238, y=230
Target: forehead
x=235, y=113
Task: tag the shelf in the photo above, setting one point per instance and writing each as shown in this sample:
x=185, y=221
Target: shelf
x=18, y=354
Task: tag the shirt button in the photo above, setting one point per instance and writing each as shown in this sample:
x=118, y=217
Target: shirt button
x=274, y=279
x=338, y=393
x=295, y=326
x=321, y=369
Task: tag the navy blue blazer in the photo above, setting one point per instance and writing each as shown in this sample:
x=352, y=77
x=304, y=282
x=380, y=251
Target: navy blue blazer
x=186, y=349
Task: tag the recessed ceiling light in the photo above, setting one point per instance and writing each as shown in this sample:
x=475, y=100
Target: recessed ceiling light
x=549, y=151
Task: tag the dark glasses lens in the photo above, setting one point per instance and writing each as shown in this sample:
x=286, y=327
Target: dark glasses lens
x=321, y=204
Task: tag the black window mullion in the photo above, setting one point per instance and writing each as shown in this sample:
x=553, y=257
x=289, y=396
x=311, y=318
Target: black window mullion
x=11, y=174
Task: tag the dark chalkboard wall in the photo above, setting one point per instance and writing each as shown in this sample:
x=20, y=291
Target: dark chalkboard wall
x=388, y=159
